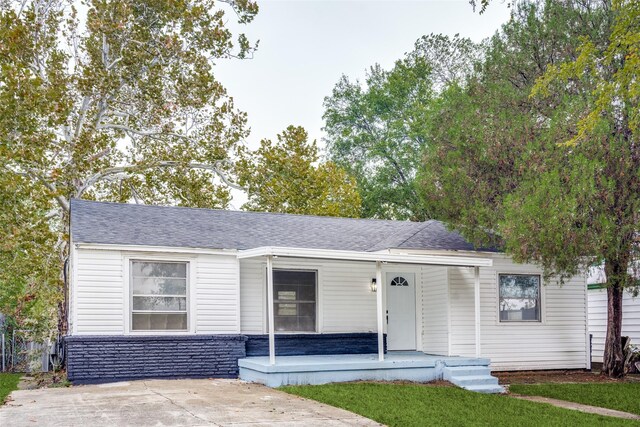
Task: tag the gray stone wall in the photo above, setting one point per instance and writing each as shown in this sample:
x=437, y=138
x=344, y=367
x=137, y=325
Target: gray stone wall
x=315, y=344
x=95, y=359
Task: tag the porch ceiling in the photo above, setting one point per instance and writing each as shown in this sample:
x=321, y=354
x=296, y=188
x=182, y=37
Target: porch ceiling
x=400, y=258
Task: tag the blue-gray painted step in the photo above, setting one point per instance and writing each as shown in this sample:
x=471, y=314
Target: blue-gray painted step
x=459, y=371
x=473, y=378
x=492, y=389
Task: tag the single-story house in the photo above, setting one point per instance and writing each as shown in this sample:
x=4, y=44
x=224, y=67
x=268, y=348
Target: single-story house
x=276, y=298
x=597, y=292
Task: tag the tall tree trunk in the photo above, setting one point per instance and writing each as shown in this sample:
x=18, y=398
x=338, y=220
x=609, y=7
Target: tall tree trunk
x=613, y=361
x=63, y=256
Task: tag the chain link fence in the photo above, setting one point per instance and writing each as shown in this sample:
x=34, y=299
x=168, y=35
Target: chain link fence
x=20, y=353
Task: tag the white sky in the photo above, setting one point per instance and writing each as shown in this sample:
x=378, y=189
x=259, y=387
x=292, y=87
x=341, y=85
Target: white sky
x=306, y=45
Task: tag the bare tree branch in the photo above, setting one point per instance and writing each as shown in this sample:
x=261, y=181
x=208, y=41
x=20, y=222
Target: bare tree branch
x=215, y=168
x=33, y=173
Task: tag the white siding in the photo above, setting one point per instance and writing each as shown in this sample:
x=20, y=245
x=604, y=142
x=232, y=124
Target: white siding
x=345, y=301
x=559, y=341
x=435, y=315
x=461, y=306
x=217, y=294
x=348, y=305
x=252, y=296
x=228, y=297
x=598, y=320
x=100, y=291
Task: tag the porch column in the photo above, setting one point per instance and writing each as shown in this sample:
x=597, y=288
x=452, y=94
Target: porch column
x=476, y=276
x=272, y=334
x=379, y=288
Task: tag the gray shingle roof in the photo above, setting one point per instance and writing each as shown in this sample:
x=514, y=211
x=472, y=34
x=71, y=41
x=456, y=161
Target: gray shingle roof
x=128, y=224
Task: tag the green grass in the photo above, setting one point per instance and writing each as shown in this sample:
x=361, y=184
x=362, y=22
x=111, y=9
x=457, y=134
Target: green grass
x=621, y=396
x=8, y=383
x=419, y=405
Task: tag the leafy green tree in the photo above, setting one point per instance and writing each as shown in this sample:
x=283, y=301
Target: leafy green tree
x=554, y=175
x=121, y=104
x=594, y=186
x=29, y=282
x=285, y=177
x=482, y=130
x=377, y=131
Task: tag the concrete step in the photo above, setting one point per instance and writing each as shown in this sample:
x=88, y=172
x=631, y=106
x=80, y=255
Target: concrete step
x=460, y=371
x=486, y=388
x=473, y=380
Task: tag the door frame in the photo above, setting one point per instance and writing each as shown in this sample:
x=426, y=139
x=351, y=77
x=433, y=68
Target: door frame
x=416, y=271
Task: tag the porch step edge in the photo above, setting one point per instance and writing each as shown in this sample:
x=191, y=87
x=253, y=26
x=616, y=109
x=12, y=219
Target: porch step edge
x=473, y=380
x=461, y=371
x=491, y=389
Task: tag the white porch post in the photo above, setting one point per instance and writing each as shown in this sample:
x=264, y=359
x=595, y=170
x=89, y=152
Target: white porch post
x=476, y=276
x=272, y=334
x=379, y=287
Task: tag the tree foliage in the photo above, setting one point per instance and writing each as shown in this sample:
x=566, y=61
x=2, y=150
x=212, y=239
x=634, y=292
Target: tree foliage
x=490, y=135
x=119, y=104
x=377, y=130
x=595, y=181
x=29, y=264
x=285, y=177
x=541, y=150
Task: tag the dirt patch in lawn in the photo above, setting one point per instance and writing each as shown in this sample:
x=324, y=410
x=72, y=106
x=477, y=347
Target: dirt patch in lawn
x=44, y=380
x=560, y=376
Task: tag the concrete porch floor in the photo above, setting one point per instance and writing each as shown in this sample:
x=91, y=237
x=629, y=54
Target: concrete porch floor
x=322, y=369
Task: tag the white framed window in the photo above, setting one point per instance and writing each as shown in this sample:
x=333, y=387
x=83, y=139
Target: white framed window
x=159, y=295
x=295, y=300
x=519, y=297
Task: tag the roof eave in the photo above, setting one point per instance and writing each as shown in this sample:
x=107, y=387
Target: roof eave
x=400, y=258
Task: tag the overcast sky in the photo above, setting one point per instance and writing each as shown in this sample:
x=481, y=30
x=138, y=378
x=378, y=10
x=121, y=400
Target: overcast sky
x=306, y=45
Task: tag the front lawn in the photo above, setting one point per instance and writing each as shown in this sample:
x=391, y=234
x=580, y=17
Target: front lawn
x=620, y=396
x=420, y=405
x=8, y=383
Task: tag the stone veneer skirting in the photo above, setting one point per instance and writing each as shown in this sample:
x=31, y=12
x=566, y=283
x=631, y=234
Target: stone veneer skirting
x=98, y=359
x=314, y=344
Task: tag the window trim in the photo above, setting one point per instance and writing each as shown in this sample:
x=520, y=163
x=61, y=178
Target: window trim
x=541, y=320
x=191, y=262
x=311, y=269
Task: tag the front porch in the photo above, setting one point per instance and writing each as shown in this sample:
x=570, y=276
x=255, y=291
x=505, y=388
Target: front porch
x=467, y=372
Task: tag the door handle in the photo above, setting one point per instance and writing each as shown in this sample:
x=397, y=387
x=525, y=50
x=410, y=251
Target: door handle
x=387, y=317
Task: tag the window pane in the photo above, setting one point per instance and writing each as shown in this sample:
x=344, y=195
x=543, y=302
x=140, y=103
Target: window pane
x=307, y=324
x=295, y=300
x=286, y=309
x=159, y=321
x=161, y=289
x=519, y=297
x=308, y=310
x=284, y=295
x=286, y=323
x=155, y=286
x=294, y=277
x=160, y=303
x=159, y=269
x=307, y=292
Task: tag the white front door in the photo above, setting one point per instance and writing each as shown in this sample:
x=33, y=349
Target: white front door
x=401, y=311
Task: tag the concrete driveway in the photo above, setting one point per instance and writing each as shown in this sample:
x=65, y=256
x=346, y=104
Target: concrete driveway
x=170, y=403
